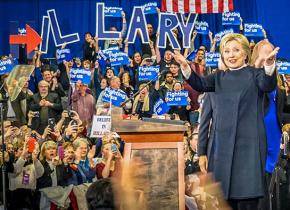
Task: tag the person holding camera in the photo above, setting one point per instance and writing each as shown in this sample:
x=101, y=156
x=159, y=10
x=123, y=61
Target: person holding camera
x=110, y=157
x=66, y=117
x=27, y=169
x=47, y=104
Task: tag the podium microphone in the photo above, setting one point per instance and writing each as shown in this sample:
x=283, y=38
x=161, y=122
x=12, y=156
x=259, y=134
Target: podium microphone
x=147, y=84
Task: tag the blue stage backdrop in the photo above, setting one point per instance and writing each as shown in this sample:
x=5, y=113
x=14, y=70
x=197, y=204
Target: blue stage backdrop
x=79, y=16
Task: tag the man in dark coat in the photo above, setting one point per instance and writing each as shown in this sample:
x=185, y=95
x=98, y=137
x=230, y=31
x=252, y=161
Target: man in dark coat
x=47, y=104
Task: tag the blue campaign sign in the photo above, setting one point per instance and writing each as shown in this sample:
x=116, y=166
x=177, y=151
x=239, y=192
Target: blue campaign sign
x=119, y=58
x=113, y=11
x=201, y=27
x=212, y=59
x=253, y=29
x=191, y=56
x=148, y=73
x=63, y=54
x=231, y=18
x=110, y=50
x=219, y=35
x=6, y=66
x=177, y=98
x=150, y=8
x=105, y=54
x=283, y=67
x=117, y=97
x=84, y=75
x=160, y=107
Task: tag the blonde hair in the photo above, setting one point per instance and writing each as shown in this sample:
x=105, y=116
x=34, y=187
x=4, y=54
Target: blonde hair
x=256, y=50
x=43, y=82
x=109, y=139
x=280, y=82
x=114, y=78
x=67, y=145
x=240, y=39
x=143, y=85
x=45, y=146
x=286, y=128
x=86, y=62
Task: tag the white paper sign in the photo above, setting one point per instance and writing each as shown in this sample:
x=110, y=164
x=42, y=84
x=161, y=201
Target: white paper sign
x=101, y=125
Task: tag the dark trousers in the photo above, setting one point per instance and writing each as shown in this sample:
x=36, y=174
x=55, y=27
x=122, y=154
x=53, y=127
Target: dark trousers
x=22, y=199
x=264, y=203
x=245, y=204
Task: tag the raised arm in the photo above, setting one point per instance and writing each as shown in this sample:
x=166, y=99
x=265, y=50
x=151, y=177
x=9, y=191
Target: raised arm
x=124, y=25
x=157, y=51
x=201, y=84
x=151, y=44
x=266, y=79
x=213, y=45
x=37, y=60
x=210, y=38
x=212, y=42
x=192, y=48
x=96, y=44
x=241, y=26
x=126, y=47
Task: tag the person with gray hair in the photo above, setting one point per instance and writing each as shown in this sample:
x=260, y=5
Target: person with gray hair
x=115, y=84
x=45, y=105
x=84, y=160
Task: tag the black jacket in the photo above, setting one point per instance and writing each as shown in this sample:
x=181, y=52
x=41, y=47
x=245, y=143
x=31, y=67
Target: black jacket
x=53, y=111
x=46, y=181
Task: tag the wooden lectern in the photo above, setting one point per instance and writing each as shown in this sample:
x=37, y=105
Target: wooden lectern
x=160, y=147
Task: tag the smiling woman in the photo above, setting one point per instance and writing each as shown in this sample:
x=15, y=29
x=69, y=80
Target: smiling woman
x=239, y=136
x=235, y=51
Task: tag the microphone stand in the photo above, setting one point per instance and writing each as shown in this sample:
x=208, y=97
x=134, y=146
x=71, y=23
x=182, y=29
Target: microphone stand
x=146, y=84
x=3, y=156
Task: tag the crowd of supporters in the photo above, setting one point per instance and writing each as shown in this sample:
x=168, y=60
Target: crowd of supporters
x=49, y=152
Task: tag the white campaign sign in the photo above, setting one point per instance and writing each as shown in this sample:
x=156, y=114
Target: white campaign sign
x=101, y=125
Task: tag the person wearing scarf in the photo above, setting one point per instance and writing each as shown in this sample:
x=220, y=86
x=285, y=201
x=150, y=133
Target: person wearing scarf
x=144, y=101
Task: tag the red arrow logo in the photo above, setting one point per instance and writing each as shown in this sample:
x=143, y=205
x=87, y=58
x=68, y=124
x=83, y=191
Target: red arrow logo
x=31, y=39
